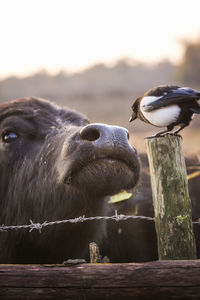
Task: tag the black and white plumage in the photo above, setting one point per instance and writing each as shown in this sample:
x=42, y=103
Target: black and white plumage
x=167, y=106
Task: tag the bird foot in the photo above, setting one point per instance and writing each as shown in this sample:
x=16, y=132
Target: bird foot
x=150, y=137
x=173, y=134
x=163, y=134
x=155, y=136
x=176, y=134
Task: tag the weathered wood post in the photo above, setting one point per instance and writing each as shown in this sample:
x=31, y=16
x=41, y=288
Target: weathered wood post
x=172, y=206
x=95, y=257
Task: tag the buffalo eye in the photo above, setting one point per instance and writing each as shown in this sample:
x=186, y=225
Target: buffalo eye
x=9, y=137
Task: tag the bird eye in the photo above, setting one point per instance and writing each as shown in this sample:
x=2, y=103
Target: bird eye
x=9, y=137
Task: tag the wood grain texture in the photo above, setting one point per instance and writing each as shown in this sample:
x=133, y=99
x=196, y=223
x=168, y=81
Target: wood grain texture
x=172, y=205
x=152, y=280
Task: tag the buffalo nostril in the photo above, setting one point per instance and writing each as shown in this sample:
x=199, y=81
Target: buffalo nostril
x=90, y=134
x=128, y=135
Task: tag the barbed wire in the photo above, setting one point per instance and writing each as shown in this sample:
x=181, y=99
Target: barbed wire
x=81, y=219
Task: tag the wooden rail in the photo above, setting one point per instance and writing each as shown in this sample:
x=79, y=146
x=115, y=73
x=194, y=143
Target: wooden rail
x=152, y=280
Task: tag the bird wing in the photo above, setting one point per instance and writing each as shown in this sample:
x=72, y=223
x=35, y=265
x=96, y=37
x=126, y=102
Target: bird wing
x=195, y=110
x=173, y=97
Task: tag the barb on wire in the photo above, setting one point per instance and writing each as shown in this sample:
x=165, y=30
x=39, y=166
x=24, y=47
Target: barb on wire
x=81, y=219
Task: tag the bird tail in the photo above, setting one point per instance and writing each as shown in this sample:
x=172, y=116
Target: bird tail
x=195, y=110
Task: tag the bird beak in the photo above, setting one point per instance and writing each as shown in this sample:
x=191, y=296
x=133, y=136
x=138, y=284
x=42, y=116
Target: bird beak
x=132, y=118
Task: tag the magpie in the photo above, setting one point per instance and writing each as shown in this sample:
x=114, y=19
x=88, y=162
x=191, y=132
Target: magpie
x=167, y=106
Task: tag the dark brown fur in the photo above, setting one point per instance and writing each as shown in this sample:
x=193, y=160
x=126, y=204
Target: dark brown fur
x=51, y=172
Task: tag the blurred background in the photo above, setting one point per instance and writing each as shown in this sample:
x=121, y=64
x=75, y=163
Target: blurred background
x=97, y=56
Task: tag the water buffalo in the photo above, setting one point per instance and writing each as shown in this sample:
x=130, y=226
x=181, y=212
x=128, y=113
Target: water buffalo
x=55, y=165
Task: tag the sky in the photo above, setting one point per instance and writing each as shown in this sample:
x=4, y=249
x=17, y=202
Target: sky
x=75, y=34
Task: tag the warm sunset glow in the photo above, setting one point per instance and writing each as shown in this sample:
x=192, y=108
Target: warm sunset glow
x=74, y=34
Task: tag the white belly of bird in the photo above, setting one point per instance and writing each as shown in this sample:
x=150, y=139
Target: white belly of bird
x=160, y=117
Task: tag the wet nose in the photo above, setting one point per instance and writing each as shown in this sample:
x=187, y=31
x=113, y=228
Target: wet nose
x=99, y=134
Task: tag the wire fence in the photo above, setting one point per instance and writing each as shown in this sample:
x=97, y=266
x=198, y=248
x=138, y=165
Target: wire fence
x=81, y=219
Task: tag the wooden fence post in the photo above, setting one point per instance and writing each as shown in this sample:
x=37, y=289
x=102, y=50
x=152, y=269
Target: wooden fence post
x=95, y=257
x=172, y=206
